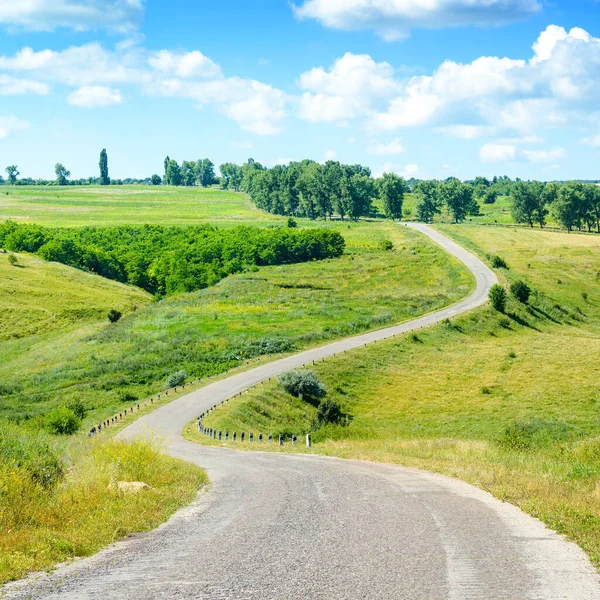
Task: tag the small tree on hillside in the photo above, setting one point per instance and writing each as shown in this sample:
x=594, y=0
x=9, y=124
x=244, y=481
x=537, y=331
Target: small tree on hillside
x=521, y=291
x=498, y=297
x=391, y=192
x=104, y=178
x=302, y=382
x=155, y=180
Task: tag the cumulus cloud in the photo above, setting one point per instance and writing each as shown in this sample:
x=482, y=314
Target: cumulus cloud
x=497, y=152
x=545, y=156
x=11, y=86
x=188, y=65
x=465, y=132
x=593, y=141
x=393, y=19
x=406, y=171
x=393, y=147
x=10, y=124
x=80, y=15
x=95, y=96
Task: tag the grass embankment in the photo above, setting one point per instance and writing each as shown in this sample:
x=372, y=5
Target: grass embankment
x=54, y=509
x=274, y=309
x=77, y=206
x=509, y=403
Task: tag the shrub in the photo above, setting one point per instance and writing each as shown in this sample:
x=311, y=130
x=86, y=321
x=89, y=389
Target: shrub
x=535, y=434
x=292, y=223
x=114, y=315
x=78, y=408
x=497, y=296
x=177, y=378
x=504, y=323
x=12, y=259
x=302, y=382
x=329, y=411
x=584, y=295
x=498, y=262
x=62, y=421
x=387, y=245
x=127, y=397
x=521, y=291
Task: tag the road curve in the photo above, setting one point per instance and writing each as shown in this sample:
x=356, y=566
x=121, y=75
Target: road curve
x=285, y=527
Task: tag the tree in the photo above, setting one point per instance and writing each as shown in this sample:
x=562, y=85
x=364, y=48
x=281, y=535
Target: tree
x=458, y=198
x=361, y=192
x=391, y=192
x=155, y=180
x=62, y=174
x=428, y=200
x=205, y=172
x=173, y=176
x=490, y=196
x=12, y=172
x=521, y=291
x=231, y=176
x=567, y=205
x=497, y=296
x=528, y=203
x=302, y=382
x=166, y=176
x=188, y=173
x=114, y=315
x=104, y=178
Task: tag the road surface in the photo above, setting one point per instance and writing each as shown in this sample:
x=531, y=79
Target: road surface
x=285, y=527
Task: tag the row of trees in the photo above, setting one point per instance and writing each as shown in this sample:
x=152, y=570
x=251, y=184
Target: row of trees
x=200, y=172
x=573, y=205
x=167, y=260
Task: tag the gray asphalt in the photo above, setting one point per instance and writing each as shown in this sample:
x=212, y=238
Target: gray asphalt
x=283, y=527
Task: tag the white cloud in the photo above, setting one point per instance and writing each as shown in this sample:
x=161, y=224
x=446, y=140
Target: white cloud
x=393, y=19
x=11, y=86
x=80, y=15
x=406, y=171
x=528, y=139
x=497, y=152
x=593, y=141
x=95, y=96
x=393, y=147
x=189, y=65
x=465, y=132
x=9, y=125
x=330, y=155
x=545, y=156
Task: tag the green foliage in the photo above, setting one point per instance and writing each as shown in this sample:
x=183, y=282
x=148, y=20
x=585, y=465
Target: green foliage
x=458, y=198
x=498, y=262
x=78, y=408
x=387, y=245
x=291, y=222
x=521, y=291
x=62, y=174
x=155, y=180
x=302, y=382
x=329, y=412
x=177, y=378
x=529, y=203
x=490, y=196
x=391, y=193
x=13, y=260
x=428, y=201
x=103, y=164
x=535, y=435
x=13, y=172
x=62, y=421
x=498, y=297
x=167, y=260
x=114, y=315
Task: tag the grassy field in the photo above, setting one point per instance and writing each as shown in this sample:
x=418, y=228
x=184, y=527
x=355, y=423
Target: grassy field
x=273, y=309
x=509, y=403
x=37, y=297
x=78, y=206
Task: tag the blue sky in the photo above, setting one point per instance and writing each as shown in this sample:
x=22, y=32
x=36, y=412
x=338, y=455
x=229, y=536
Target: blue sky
x=425, y=88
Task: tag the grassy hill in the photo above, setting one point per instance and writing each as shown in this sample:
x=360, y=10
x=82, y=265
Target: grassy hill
x=507, y=402
x=254, y=314
x=37, y=297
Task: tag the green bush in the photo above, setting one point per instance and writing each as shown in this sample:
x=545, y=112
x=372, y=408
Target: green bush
x=177, y=378
x=498, y=262
x=78, y=408
x=114, y=315
x=498, y=297
x=302, y=382
x=12, y=259
x=536, y=434
x=521, y=291
x=62, y=421
x=329, y=412
x=387, y=245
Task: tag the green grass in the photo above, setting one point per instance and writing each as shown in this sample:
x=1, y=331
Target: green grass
x=242, y=318
x=78, y=206
x=43, y=526
x=444, y=401
x=37, y=297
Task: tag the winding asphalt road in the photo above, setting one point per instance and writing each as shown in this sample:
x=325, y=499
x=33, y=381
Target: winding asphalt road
x=282, y=527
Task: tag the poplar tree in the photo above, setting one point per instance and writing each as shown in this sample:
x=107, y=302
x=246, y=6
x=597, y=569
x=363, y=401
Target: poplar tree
x=104, y=178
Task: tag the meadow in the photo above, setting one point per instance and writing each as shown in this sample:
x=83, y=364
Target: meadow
x=507, y=402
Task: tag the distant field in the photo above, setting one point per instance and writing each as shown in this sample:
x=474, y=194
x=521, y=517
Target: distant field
x=443, y=400
x=76, y=206
x=244, y=317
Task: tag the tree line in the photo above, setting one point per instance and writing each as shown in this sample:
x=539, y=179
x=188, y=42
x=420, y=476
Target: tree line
x=168, y=260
